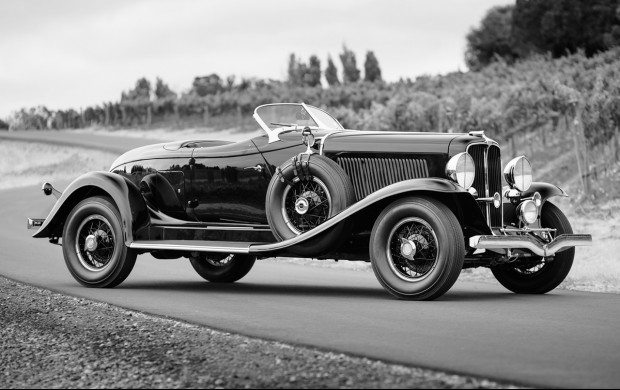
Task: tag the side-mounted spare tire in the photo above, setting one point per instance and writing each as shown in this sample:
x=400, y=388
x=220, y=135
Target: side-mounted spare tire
x=305, y=192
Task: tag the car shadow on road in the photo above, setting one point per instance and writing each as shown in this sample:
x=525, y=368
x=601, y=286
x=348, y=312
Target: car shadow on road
x=245, y=288
x=254, y=289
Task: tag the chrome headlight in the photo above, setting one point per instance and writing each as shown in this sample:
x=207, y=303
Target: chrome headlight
x=518, y=173
x=461, y=169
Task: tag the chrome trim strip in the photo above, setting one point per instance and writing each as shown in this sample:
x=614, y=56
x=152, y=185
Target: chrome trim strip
x=323, y=139
x=486, y=184
x=488, y=143
x=526, y=229
x=194, y=247
x=316, y=119
x=528, y=242
x=243, y=228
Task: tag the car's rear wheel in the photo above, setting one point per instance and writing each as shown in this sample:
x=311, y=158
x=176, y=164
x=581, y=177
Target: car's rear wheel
x=93, y=246
x=417, y=248
x=222, y=268
x=297, y=203
x=538, y=275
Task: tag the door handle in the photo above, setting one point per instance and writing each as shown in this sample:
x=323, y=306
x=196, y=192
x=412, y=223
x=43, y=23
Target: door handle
x=258, y=168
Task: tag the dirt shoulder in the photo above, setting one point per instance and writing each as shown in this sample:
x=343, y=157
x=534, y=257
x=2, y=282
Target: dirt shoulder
x=52, y=340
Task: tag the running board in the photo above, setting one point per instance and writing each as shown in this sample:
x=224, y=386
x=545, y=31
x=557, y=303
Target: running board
x=193, y=246
x=217, y=246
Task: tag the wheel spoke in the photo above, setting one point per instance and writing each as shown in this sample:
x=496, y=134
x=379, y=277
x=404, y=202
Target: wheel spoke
x=422, y=236
x=98, y=227
x=316, y=196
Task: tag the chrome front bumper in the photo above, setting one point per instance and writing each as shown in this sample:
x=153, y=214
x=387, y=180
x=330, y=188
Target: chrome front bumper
x=560, y=243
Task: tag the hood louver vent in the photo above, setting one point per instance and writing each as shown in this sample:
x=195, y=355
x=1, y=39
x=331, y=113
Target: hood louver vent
x=370, y=174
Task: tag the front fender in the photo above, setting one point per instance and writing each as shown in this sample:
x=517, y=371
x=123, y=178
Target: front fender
x=545, y=190
x=437, y=188
x=126, y=196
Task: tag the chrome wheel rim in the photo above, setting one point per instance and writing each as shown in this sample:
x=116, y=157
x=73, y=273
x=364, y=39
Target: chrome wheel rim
x=95, y=243
x=530, y=270
x=412, y=249
x=306, y=204
x=220, y=262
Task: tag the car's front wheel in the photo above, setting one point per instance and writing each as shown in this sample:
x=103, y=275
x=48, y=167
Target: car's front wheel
x=93, y=246
x=417, y=248
x=539, y=275
x=222, y=268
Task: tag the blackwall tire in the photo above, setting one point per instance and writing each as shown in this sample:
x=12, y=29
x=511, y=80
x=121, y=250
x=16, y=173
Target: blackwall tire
x=435, y=264
x=328, y=192
x=222, y=268
x=97, y=220
x=543, y=277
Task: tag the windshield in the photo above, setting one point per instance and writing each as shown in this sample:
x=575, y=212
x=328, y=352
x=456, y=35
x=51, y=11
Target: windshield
x=275, y=116
x=285, y=115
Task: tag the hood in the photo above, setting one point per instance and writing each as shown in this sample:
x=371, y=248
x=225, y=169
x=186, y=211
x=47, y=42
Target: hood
x=390, y=142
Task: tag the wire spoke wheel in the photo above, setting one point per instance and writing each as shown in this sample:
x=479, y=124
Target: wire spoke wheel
x=413, y=249
x=538, y=275
x=531, y=269
x=220, y=267
x=306, y=204
x=219, y=261
x=417, y=248
x=94, y=244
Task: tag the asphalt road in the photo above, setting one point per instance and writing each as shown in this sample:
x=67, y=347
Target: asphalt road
x=562, y=339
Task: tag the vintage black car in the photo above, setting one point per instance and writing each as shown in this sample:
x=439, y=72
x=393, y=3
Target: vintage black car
x=419, y=206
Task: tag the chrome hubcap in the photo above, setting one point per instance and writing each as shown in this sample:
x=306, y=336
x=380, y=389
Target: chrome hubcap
x=95, y=243
x=91, y=243
x=305, y=204
x=407, y=249
x=413, y=249
x=301, y=206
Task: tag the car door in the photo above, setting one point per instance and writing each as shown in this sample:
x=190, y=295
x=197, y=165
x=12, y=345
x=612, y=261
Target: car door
x=228, y=183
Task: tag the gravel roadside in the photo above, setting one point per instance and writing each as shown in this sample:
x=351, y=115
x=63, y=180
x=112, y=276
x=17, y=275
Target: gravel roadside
x=56, y=341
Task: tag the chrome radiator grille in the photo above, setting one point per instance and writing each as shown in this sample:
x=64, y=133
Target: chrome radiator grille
x=370, y=174
x=488, y=179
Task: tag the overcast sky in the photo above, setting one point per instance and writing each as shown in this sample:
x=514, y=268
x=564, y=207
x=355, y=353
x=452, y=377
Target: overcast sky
x=76, y=53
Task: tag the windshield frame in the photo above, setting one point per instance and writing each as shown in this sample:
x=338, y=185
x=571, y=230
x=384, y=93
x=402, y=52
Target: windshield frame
x=274, y=133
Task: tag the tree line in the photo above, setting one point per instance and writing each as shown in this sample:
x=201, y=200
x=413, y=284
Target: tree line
x=209, y=97
x=508, y=93
x=558, y=27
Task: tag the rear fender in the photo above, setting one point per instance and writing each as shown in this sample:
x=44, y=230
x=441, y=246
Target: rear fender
x=125, y=194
